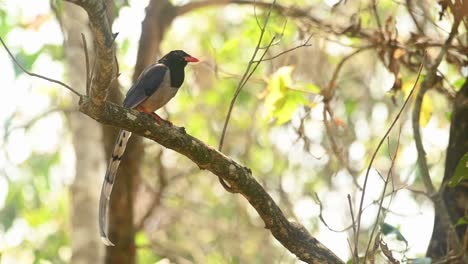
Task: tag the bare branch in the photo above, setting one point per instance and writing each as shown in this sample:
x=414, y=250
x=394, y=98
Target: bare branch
x=375, y=154
x=88, y=77
x=247, y=74
x=305, y=44
x=35, y=74
x=383, y=194
x=355, y=253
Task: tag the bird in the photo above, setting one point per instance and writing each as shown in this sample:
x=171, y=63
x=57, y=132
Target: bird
x=154, y=88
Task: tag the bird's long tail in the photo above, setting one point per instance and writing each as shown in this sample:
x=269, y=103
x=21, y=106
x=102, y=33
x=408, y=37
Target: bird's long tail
x=117, y=153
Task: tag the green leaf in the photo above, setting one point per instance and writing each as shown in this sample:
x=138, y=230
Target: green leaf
x=388, y=229
x=462, y=221
x=281, y=102
x=141, y=239
x=215, y=258
x=26, y=60
x=313, y=88
x=350, y=106
x=458, y=84
x=448, y=116
x=37, y=217
x=461, y=172
x=286, y=107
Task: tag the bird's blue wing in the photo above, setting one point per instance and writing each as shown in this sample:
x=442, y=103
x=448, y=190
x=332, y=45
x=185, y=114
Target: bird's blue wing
x=148, y=82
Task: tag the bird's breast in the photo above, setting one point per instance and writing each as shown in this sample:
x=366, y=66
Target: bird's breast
x=161, y=96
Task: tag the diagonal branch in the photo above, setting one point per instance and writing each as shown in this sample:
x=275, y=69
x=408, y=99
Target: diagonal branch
x=35, y=74
x=292, y=235
x=359, y=213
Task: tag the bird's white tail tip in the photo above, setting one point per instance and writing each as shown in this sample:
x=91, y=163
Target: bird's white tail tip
x=107, y=242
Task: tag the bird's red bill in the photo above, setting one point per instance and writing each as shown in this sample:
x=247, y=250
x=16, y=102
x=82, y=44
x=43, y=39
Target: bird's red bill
x=191, y=59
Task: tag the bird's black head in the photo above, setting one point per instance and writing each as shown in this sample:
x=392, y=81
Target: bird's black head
x=176, y=61
x=177, y=58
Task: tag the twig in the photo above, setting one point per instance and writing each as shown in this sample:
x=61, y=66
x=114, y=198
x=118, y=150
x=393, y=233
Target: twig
x=332, y=83
x=355, y=253
x=376, y=14
x=35, y=74
x=323, y=220
x=305, y=44
x=383, y=194
x=246, y=76
x=33, y=120
x=375, y=154
x=409, y=7
x=328, y=94
x=334, y=145
x=88, y=77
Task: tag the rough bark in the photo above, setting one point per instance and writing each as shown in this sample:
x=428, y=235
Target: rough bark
x=456, y=199
x=86, y=135
x=292, y=235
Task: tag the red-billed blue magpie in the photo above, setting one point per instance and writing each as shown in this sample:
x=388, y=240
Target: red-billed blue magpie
x=156, y=85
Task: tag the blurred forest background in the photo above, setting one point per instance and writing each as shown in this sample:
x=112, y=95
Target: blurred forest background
x=330, y=78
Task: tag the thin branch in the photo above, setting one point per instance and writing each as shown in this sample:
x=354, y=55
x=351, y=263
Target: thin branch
x=328, y=94
x=323, y=219
x=376, y=15
x=88, y=77
x=305, y=44
x=355, y=253
x=332, y=84
x=375, y=154
x=245, y=76
x=33, y=120
x=409, y=8
x=35, y=74
x=334, y=145
x=383, y=193
x=231, y=106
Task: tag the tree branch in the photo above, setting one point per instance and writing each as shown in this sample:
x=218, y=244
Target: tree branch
x=104, y=45
x=440, y=207
x=35, y=74
x=292, y=235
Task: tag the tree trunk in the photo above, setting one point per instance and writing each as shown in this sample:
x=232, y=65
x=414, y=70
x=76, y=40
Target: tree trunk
x=85, y=241
x=456, y=199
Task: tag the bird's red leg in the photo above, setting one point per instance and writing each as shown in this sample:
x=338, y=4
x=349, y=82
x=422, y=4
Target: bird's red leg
x=156, y=117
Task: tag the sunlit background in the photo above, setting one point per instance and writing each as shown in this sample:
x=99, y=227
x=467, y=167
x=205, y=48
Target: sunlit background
x=37, y=158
